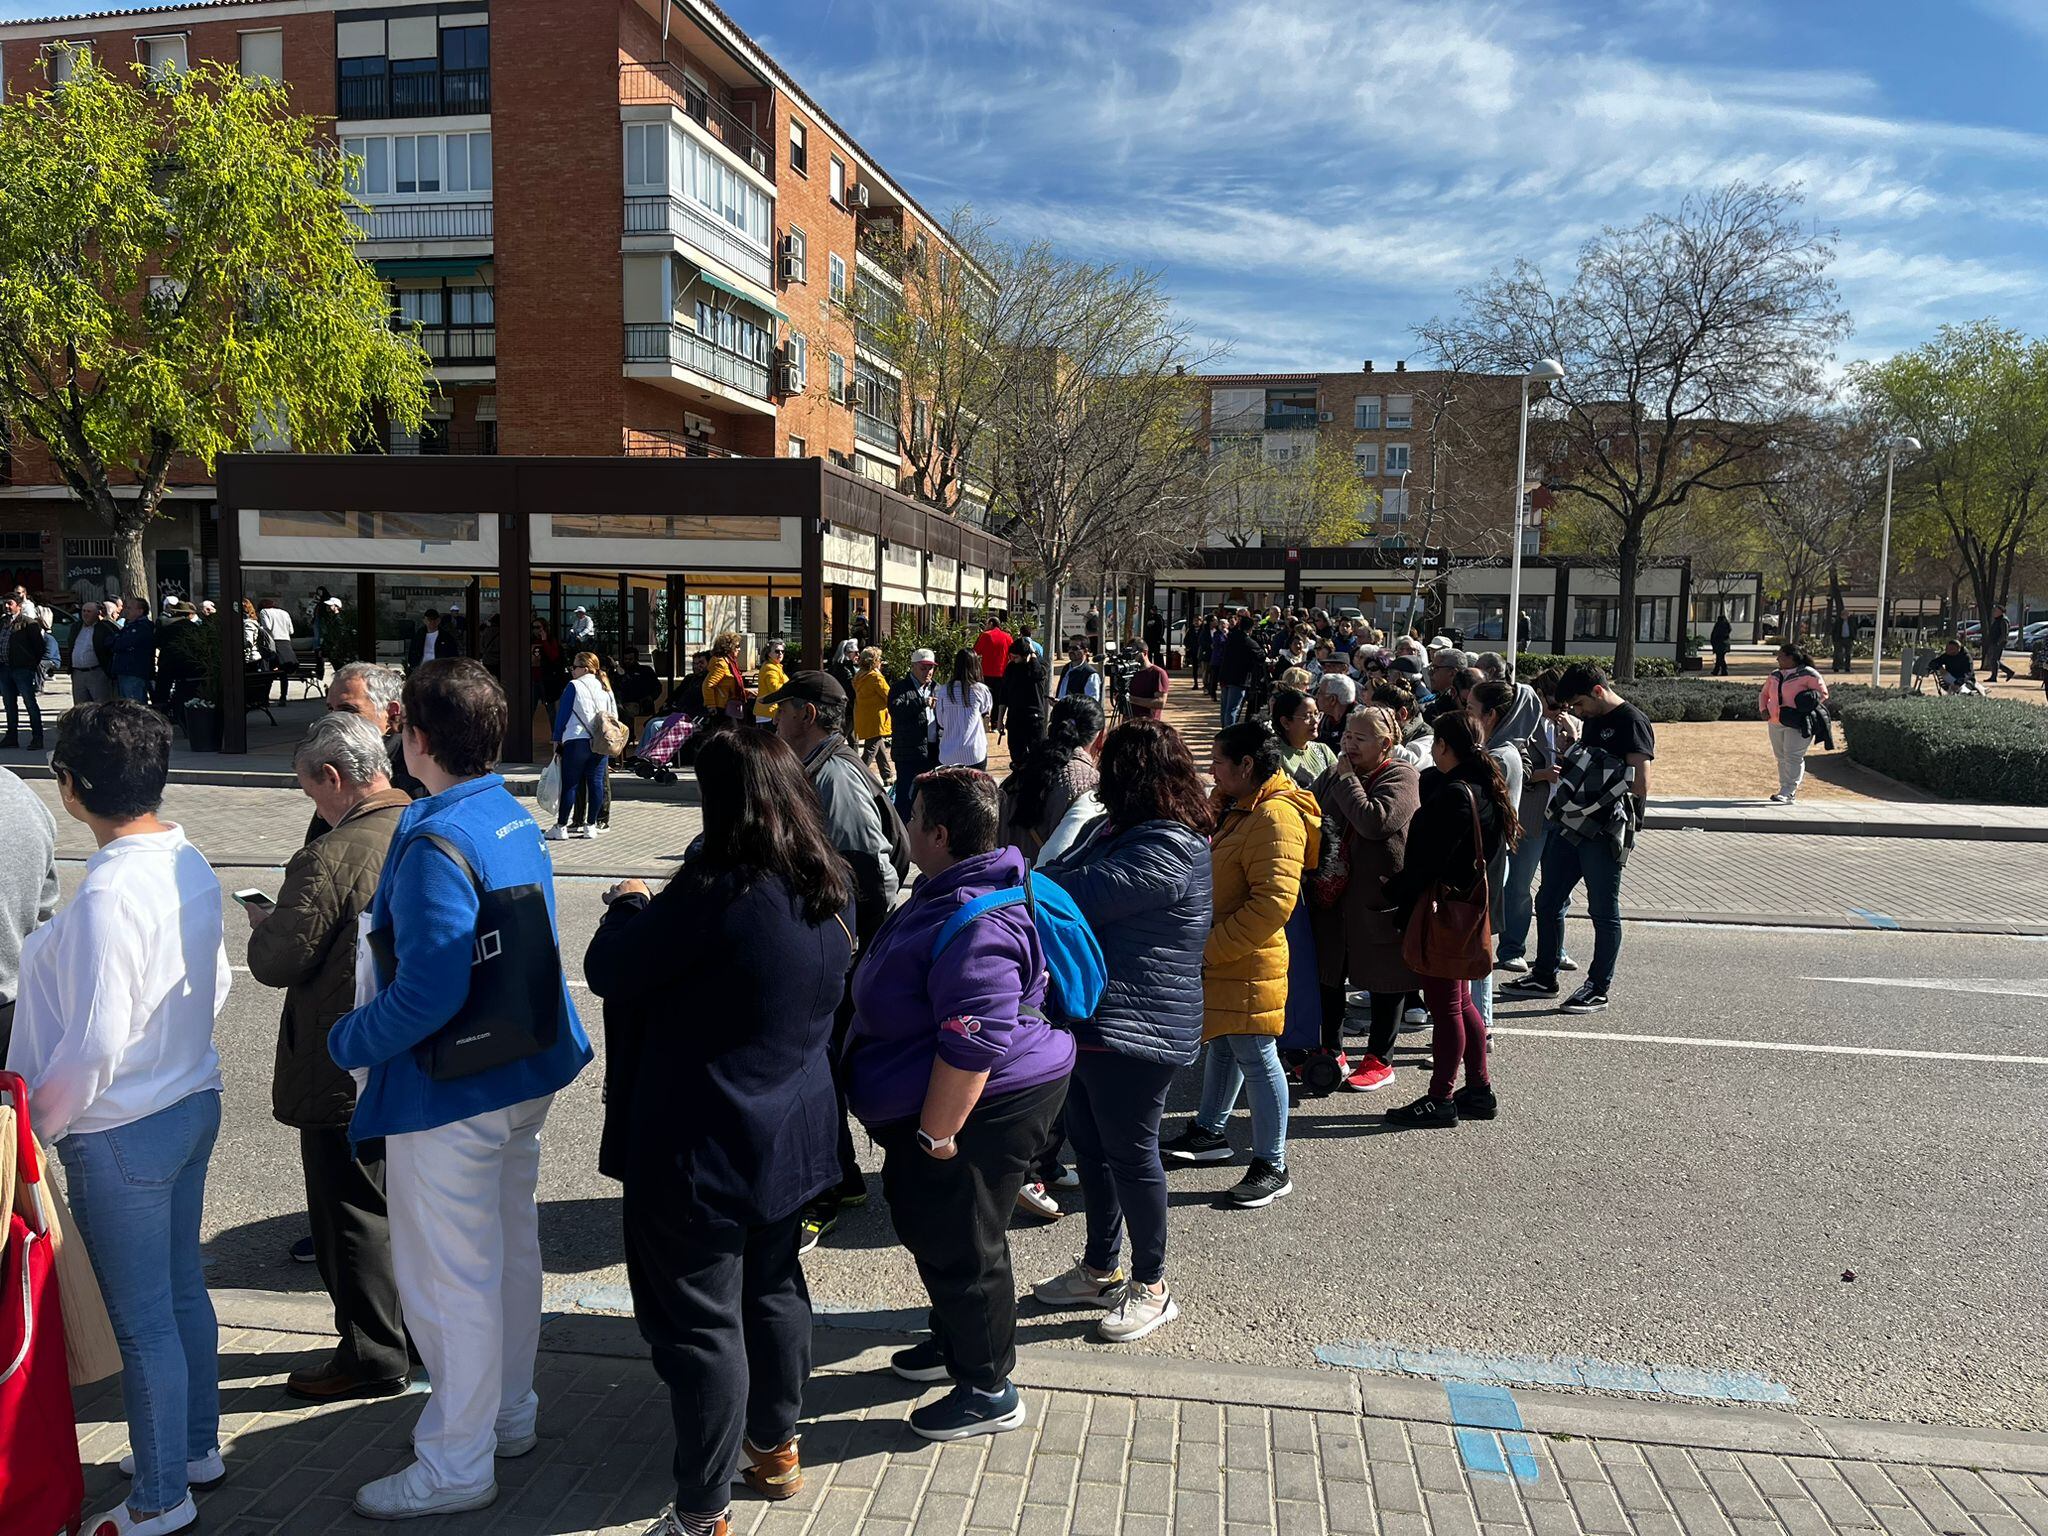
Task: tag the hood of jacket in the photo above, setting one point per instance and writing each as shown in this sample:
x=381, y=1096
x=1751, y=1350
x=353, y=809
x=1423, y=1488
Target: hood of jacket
x=1281, y=787
x=1523, y=716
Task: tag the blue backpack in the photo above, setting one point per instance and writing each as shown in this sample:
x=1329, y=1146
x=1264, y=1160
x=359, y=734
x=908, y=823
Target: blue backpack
x=1073, y=960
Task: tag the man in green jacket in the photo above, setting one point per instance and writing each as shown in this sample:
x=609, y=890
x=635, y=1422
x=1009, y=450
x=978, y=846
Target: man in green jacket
x=307, y=945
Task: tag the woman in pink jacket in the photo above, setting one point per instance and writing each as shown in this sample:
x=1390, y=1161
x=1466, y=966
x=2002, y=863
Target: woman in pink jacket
x=1789, y=696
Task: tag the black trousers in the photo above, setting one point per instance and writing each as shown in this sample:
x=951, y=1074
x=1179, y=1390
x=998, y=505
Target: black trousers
x=727, y=1316
x=352, y=1246
x=1113, y=1111
x=1720, y=663
x=1386, y=1021
x=954, y=1217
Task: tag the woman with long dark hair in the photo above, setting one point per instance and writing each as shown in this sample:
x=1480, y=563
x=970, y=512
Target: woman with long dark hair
x=1142, y=880
x=1052, y=776
x=1024, y=687
x=721, y=1119
x=1464, y=783
x=962, y=708
x=1787, y=701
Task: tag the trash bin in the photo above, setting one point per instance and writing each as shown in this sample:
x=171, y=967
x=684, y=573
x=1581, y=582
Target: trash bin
x=1909, y=665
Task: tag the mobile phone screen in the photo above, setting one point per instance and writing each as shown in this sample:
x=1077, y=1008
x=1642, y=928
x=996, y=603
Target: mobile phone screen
x=253, y=898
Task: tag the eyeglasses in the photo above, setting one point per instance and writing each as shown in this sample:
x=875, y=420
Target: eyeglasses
x=69, y=772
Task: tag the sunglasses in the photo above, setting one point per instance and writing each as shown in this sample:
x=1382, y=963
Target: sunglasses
x=69, y=772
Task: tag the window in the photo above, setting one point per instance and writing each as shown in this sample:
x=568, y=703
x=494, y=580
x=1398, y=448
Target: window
x=163, y=56
x=920, y=421
x=1367, y=457
x=1595, y=618
x=472, y=304
x=1400, y=412
x=646, y=157
x=799, y=151
x=1365, y=413
x=263, y=56
x=1394, y=506
x=1397, y=458
x=729, y=332
x=838, y=278
x=412, y=164
x=465, y=48
x=836, y=377
x=1485, y=618
x=796, y=448
x=66, y=57
x=416, y=161
x=838, y=181
x=800, y=358
x=369, y=173
x=1653, y=619
x=420, y=306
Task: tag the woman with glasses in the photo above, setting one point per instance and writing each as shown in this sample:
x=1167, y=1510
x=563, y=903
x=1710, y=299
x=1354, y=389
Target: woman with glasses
x=114, y=1032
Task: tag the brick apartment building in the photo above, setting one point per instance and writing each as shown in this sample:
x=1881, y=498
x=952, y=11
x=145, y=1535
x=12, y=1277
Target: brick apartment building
x=621, y=226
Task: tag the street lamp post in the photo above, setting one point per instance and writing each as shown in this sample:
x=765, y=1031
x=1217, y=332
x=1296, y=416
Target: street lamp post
x=1547, y=370
x=1884, y=558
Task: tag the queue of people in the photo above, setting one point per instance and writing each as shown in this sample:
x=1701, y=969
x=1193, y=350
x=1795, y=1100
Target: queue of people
x=979, y=974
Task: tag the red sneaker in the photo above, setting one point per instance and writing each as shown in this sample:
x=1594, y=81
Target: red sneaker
x=1372, y=1073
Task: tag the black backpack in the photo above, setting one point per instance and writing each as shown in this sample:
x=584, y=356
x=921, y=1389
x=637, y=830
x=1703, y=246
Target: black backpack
x=885, y=807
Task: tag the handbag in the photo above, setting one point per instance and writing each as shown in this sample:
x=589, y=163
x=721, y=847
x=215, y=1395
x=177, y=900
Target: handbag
x=608, y=734
x=1331, y=877
x=513, y=1010
x=1450, y=936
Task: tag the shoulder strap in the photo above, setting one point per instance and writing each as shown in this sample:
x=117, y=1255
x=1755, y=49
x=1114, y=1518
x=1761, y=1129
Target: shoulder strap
x=1478, y=836
x=455, y=854
x=988, y=901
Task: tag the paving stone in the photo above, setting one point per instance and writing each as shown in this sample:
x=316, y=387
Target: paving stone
x=1012, y=1451
x=1348, y=1508
x=1554, y=1520
x=1111, y=1416
x=1342, y=1453
x=1577, y=1460
x=1395, y=1488
x=1599, y=1510
x=1495, y=1500
x=1801, y=1516
x=1149, y=1489
x=1838, y=1501
x=899, y=1493
x=1052, y=1480
x=841, y=1511
x=1699, y=1512
x=1451, y=1515
x=1097, y=1510
x=1654, y=1523
x=1386, y=1440
x=1063, y=1431
x=1773, y=1478
x=1102, y=1458
x=1042, y=1520
x=1294, y=1476
x=1298, y=1518
x=1969, y=1489
x=1246, y=1447
x=1153, y=1440
x=1197, y=1512
x=1201, y=1423
x=1294, y=1430
x=1439, y=1469
x=1247, y=1497
x=997, y=1499
x=1638, y=1489
x=1737, y=1495
x=1147, y=1525
x=1903, y=1520
x=1872, y=1486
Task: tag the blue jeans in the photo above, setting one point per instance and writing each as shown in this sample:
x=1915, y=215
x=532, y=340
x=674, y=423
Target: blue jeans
x=136, y=1193
x=1233, y=1062
x=1233, y=700
x=133, y=688
x=1519, y=894
x=1565, y=863
x=20, y=683
x=582, y=769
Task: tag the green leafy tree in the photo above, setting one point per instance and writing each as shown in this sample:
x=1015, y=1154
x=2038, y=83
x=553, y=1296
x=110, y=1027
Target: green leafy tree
x=177, y=281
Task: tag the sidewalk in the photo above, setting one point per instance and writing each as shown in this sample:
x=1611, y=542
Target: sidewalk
x=1854, y=818
x=1146, y=1448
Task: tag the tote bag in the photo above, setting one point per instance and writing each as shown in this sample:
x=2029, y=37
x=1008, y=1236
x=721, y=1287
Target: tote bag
x=1448, y=935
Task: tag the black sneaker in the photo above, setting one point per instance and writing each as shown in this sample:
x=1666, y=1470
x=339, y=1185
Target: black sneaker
x=1425, y=1113
x=1531, y=985
x=968, y=1411
x=1586, y=1000
x=1195, y=1145
x=303, y=1252
x=1475, y=1101
x=921, y=1362
x=821, y=1218
x=1262, y=1185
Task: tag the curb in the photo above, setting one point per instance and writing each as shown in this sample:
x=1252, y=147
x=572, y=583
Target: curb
x=1842, y=921
x=1764, y=824
x=523, y=780
x=1365, y=1394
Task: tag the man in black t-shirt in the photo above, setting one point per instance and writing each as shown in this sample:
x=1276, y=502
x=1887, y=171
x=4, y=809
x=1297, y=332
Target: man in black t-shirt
x=1610, y=768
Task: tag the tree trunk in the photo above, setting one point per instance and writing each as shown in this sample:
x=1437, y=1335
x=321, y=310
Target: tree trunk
x=127, y=529
x=1628, y=560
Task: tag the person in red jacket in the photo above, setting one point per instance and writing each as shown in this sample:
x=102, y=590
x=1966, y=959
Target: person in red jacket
x=993, y=647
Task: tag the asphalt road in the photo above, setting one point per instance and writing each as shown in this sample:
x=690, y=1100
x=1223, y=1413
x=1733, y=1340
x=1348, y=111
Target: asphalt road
x=1640, y=1201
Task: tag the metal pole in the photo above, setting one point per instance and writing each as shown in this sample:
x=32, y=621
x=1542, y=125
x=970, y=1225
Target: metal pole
x=1884, y=560
x=1513, y=621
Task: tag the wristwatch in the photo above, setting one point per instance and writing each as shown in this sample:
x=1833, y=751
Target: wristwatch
x=933, y=1143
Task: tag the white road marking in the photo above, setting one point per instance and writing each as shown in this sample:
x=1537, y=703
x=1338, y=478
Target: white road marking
x=1765, y=1045
x=1993, y=986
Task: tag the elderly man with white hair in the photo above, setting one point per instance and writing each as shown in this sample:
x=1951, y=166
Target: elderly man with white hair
x=306, y=944
x=1335, y=695
x=371, y=690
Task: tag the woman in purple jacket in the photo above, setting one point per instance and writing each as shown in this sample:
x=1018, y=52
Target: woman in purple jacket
x=952, y=1067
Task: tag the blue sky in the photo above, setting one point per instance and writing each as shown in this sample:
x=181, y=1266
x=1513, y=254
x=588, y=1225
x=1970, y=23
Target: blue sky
x=1316, y=176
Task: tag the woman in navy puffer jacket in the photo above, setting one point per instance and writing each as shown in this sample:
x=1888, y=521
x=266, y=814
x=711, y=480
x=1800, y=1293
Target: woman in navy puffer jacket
x=1142, y=880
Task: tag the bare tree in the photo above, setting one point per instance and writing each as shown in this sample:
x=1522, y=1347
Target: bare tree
x=1306, y=494
x=1690, y=342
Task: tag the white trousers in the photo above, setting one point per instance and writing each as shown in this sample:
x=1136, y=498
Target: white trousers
x=1789, y=747
x=465, y=1244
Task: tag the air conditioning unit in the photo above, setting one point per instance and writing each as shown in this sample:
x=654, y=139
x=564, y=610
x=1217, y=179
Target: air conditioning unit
x=1326, y=416
x=758, y=158
x=792, y=269
x=857, y=196
x=790, y=379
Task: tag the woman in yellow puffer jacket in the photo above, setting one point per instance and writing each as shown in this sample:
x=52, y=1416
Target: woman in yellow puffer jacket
x=871, y=715
x=1269, y=830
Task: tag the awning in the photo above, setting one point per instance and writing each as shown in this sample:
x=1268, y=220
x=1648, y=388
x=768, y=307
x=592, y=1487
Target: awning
x=471, y=267
x=719, y=283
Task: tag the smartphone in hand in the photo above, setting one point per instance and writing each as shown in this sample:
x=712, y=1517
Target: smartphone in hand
x=256, y=900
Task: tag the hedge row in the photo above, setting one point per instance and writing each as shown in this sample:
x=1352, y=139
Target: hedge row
x=1646, y=666
x=1960, y=749
x=1707, y=698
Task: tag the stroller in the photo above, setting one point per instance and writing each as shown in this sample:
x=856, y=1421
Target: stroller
x=670, y=743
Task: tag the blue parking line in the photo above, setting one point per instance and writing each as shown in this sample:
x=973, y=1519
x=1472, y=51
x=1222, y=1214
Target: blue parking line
x=1483, y=1407
x=1464, y=1368
x=1875, y=919
x=1490, y=1442
x=1480, y=1450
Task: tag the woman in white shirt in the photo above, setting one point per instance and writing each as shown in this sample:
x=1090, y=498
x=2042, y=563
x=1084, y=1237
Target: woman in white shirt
x=962, y=709
x=278, y=625
x=114, y=1033
x=587, y=696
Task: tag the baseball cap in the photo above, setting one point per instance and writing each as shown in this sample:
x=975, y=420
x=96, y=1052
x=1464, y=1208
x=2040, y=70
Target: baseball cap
x=1405, y=664
x=918, y=658
x=809, y=688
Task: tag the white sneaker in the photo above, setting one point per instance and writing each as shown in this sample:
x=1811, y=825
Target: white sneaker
x=1516, y=966
x=119, y=1521
x=1080, y=1287
x=203, y=1473
x=1138, y=1312
x=511, y=1447
x=408, y=1495
x=1415, y=1018
x=581, y=834
x=1033, y=1199
x=1781, y=799
x=1069, y=1178
x=556, y=833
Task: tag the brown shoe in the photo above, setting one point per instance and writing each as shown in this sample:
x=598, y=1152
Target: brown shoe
x=331, y=1381
x=774, y=1474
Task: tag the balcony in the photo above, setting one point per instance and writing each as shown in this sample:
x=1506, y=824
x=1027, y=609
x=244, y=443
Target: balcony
x=1290, y=421
x=460, y=345
x=684, y=219
x=679, y=348
x=874, y=431
x=657, y=85
x=656, y=443
x=423, y=221
x=413, y=93
x=879, y=240
x=435, y=437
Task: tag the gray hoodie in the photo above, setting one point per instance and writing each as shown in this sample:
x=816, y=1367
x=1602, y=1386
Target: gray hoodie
x=28, y=876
